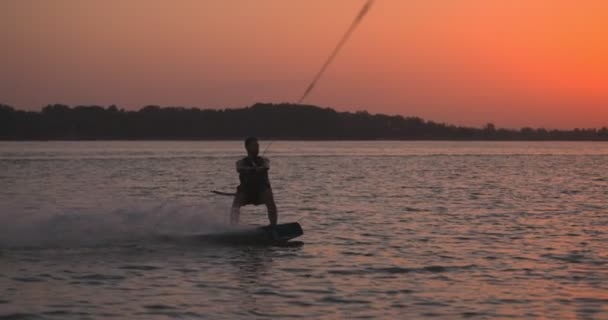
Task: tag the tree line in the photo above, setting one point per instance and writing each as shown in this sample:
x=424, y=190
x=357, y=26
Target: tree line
x=277, y=121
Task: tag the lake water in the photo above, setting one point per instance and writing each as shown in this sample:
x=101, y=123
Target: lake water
x=445, y=230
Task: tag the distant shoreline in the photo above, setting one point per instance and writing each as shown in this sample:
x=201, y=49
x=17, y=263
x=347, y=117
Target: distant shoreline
x=288, y=122
x=288, y=140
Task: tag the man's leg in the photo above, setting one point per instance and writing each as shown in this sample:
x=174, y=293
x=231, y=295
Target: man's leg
x=235, y=212
x=268, y=199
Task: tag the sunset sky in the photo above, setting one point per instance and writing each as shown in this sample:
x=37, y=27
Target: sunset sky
x=539, y=63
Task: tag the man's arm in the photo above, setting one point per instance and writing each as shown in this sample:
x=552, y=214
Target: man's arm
x=242, y=167
x=265, y=163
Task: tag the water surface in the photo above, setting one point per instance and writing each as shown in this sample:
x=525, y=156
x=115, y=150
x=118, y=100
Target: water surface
x=482, y=230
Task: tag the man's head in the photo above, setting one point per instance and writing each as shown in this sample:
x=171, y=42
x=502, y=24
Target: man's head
x=252, y=146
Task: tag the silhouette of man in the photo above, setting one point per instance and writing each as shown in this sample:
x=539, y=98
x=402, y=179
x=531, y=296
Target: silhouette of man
x=255, y=186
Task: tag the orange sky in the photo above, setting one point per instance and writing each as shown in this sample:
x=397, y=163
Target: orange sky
x=540, y=63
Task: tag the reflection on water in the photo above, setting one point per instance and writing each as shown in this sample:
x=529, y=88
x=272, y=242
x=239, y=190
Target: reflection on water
x=392, y=230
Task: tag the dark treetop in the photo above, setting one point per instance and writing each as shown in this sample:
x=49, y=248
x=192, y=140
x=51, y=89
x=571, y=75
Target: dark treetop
x=277, y=121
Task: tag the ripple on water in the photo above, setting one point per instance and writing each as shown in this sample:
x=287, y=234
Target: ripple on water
x=599, y=301
x=159, y=307
x=50, y=276
x=186, y=270
x=139, y=267
x=506, y=301
x=268, y=292
x=65, y=313
x=167, y=310
x=340, y=300
x=59, y=306
x=357, y=253
x=28, y=279
x=397, y=270
x=21, y=316
x=99, y=277
x=572, y=257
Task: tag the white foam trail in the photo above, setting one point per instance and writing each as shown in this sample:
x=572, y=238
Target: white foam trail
x=96, y=226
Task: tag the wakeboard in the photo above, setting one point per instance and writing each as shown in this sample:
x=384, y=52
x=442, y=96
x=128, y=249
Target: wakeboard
x=266, y=235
